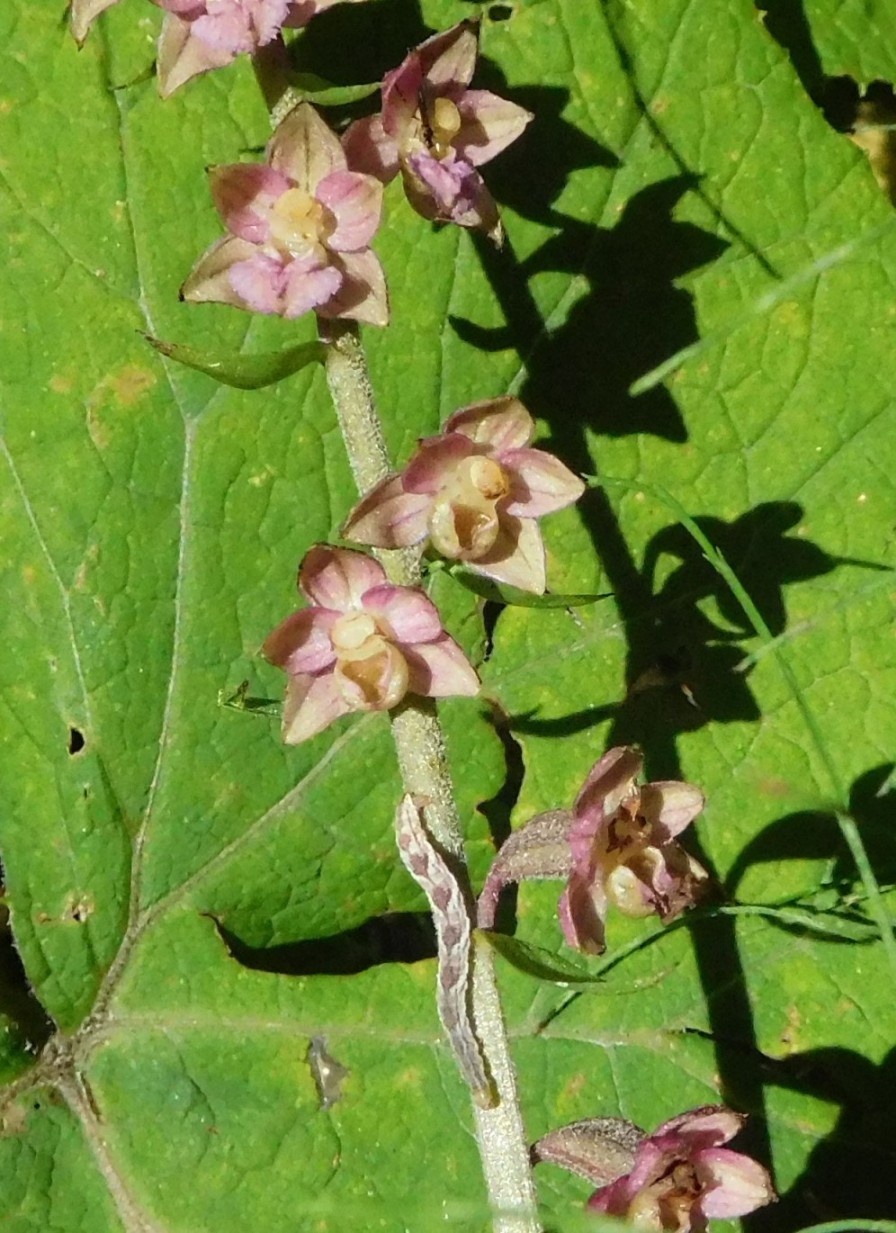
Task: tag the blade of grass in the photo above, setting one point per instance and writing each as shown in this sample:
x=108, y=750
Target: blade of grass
x=849, y=830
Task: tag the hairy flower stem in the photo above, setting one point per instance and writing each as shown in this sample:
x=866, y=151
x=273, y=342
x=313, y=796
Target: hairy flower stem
x=420, y=746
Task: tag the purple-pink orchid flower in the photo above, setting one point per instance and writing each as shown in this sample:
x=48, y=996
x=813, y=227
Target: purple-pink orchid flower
x=475, y=492
x=675, y=1179
x=362, y=645
x=437, y=131
x=617, y=845
x=198, y=35
x=300, y=227
x=682, y=1176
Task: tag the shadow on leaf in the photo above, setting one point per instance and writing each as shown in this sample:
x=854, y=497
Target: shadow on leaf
x=396, y=937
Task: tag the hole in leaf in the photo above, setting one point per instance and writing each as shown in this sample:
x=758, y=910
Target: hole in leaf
x=500, y=12
x=75, y=741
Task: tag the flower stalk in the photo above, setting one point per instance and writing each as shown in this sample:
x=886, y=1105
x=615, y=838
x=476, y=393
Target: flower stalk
x=423, y=764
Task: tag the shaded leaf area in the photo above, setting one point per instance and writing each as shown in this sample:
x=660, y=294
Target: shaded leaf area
x=836, y=38
x=190, y=899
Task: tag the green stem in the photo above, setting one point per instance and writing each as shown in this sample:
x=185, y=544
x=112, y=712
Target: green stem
x=422, y=761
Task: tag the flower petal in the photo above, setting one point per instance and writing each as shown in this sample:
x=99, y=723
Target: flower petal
x=670, y=806
x=450, y=191
x=308, y=284
x=228, y=29
x=209, y=280
x=84, y=13
x=311, y=704
x=502, y=424
x=650, y=1162
x=356, y=202
x=440, y=670
x=362, y=295
x=376, y=679
x=301, y=643
x=404, y=614
x=541, y=484
x=736, y=1185
x=433, y=464
x=582, y=910
x=489, y=124
x=449, y=59
x=304, y=148
x=259, y=282
x=609, y=782
x=370, y=150
x=705, y=1127
x=401, y=98
x=516, y=557
x=181, y=56
x=243, y=194
x=301, y=11
x=269, y=17
x=338, y=578
x=388, y=516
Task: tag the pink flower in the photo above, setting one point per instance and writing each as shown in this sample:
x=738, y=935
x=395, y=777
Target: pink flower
x=362, y=645
x=436, y=131
x=682, y=1177
x=199, y=35
x=616, y=845
x=475, y=491
x=300, y=227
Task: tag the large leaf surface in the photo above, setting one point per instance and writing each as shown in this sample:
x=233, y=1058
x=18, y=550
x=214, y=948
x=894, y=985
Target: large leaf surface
x=677, y=186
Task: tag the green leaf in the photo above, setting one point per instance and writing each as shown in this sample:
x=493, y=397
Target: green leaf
x=538, y=962
x=502, y=593
x=244, y=372
x=665, y=208
x=854, y=38
x=324, y=93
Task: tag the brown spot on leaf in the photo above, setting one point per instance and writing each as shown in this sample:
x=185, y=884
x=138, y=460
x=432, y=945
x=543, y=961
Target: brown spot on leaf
x=62, y=382
x=131, y=384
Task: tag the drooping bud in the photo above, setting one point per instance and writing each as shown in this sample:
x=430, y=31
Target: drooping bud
x=600, y=1149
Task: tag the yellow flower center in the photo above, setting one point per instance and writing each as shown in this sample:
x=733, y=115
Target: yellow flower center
x=299, y=223
x=445, y=124
x=374, y=677
x=351, y=631
x=628, y=858
x=666, y=1203
x=463, y=524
